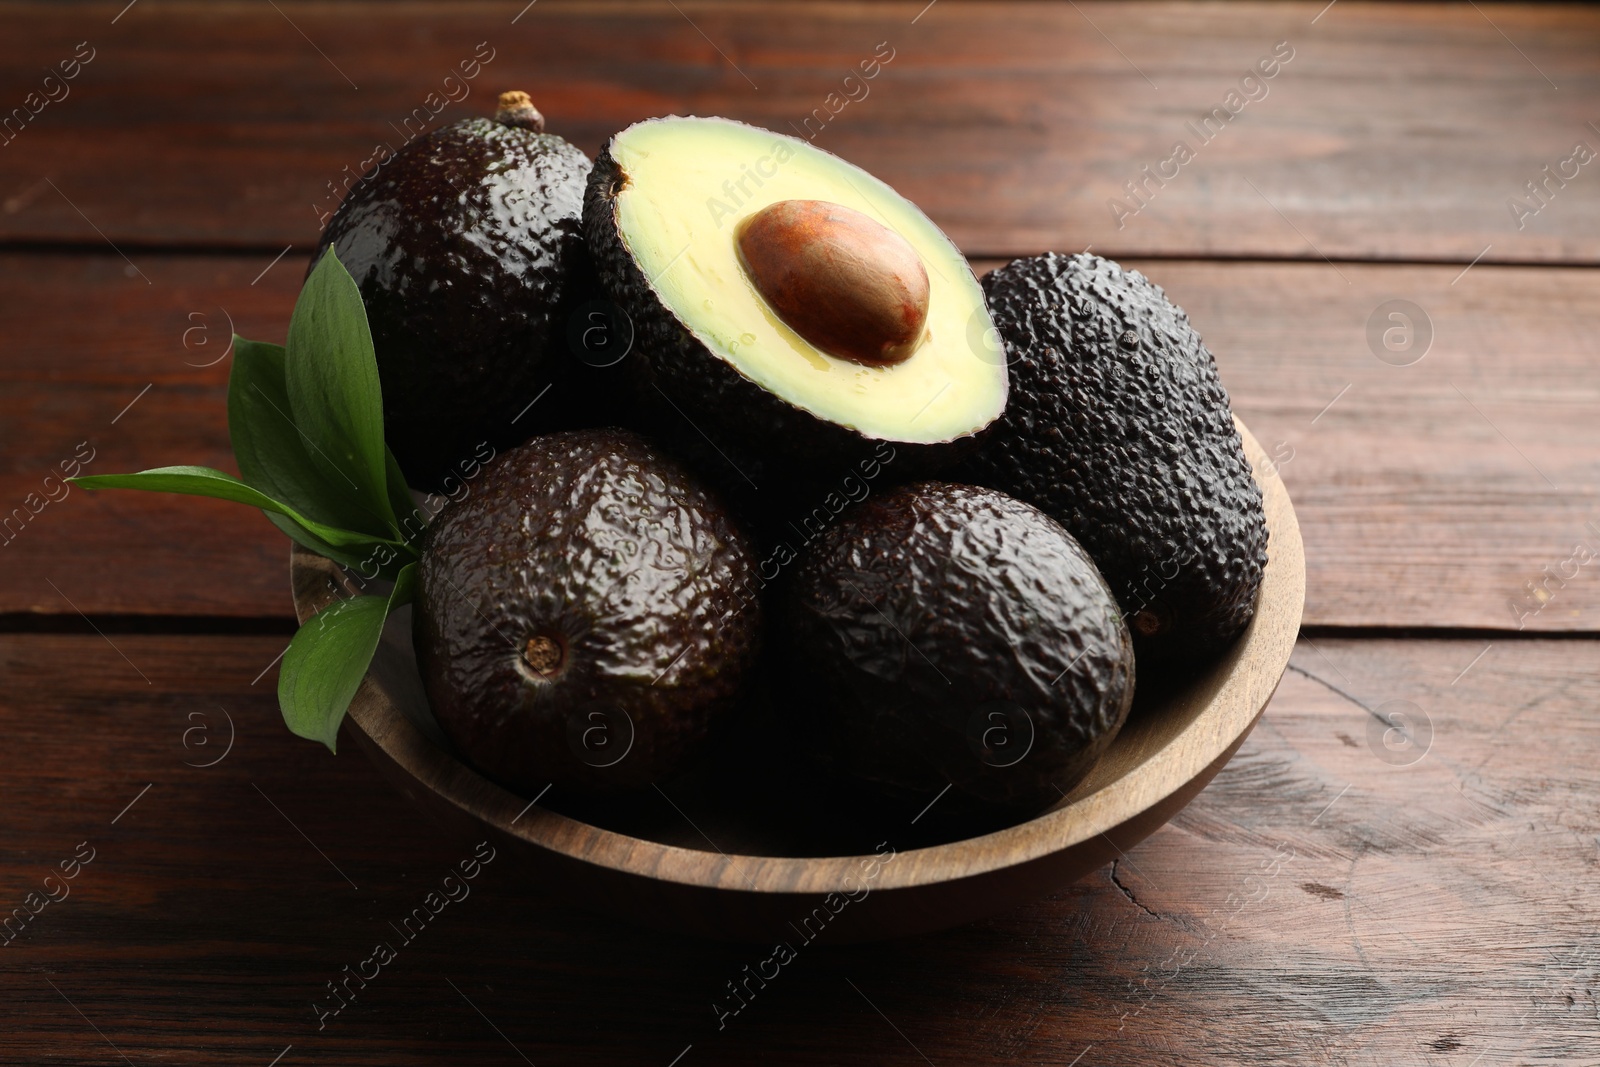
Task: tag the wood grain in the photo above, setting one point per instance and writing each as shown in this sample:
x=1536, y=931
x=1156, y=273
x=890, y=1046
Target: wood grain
x=1329, y=898
x=1421, y=490
x=100, y=364
x=1430, y=494
x=1396, y=131
x=1332, y=902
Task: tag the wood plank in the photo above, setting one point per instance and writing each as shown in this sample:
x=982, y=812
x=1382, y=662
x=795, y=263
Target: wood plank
x=1332, y=898
x=1420, y=489
x=1396, y=131
x=131, y=375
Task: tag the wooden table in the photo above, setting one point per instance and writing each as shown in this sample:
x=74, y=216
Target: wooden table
x=1434, y=895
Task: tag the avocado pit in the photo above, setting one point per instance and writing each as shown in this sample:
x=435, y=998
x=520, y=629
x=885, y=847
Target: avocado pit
x=846, y=283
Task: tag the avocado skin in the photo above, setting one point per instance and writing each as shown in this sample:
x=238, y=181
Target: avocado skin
x=593, y=537
x=1118, y=428
x=926, y=609
x=740, y=435
x=468, y=251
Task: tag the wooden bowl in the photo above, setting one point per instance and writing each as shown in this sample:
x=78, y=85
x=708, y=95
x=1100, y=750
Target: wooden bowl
x=689, y=860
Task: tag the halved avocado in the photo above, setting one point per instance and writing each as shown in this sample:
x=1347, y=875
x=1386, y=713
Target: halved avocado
x=775, y=298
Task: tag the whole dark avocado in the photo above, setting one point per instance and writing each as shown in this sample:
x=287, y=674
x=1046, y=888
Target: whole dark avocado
x=582, y=615
x=467, y=247
x=1118, y=428
x=946, y=635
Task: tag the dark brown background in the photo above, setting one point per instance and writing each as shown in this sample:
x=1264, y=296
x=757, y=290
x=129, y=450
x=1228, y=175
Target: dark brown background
x=1441, y=900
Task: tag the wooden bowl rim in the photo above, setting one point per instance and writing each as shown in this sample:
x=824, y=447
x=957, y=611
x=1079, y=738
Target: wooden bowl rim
x=1259, y=659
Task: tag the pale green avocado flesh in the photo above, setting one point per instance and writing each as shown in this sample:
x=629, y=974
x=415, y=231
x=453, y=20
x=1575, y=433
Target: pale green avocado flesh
x=689, y=183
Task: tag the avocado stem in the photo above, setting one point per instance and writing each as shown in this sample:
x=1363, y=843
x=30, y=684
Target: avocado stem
x=545, y=655
x=516, y=109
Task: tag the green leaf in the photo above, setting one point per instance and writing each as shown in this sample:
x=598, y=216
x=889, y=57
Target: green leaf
x=204, y=481
x=412, y=520
x=332, y=379
x=328, y=658
x=272, y=452
x=377, y=559
x=354, y=557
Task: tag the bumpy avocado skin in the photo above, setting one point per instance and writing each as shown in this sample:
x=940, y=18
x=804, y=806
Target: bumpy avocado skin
x=1118, y=428
x=468, y=249
x=945, y=634
x=592, y=538
x=736, y=432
